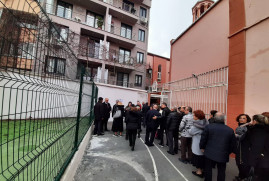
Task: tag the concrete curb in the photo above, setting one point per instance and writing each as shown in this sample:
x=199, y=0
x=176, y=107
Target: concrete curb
x=73, y=166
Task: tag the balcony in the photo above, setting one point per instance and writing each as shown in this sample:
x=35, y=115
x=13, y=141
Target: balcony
x=93, y=51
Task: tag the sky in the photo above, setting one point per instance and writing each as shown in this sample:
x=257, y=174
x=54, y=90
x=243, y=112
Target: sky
x=168, y=19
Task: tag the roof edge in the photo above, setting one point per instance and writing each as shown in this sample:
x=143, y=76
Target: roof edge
x=158, y=56
x=211, y=7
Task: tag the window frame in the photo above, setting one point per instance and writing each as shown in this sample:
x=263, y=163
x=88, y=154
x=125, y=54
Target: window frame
x=126, y=28
x=140, y=33
x=138, y=80
x=138, y=56
x=142, y=12
x=65, y=5
x=55, y=66
x=124, y=55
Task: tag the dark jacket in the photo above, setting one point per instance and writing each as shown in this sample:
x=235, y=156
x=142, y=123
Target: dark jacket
x=133, y=120
x=258, y=140
x=99, y=111
x=173, y=121
x=218, y=141
x=107, y=109
x=145, y=109
x=151, y=123
x=242, y=145
x=163, y=118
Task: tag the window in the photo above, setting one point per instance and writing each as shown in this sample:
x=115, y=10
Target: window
x=202, y=10
x=141, y=35
x=159, y=76
x=63, y=30
x=95, y=20
x=140, y=57
x=122, y=79
x=64, y=10
x=143, y=12
x=55, y=65
x=128, y=6
x=138, y=80
x=1, y=11
x=26, y=50
x=126, y=31
x=124, y=56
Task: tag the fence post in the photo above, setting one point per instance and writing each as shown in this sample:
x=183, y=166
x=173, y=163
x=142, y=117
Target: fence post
x=92, y=101
x=79, y=106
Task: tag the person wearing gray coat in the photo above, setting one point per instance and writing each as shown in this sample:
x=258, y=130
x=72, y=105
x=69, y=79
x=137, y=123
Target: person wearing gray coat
x=198, y=159
x=186, y=123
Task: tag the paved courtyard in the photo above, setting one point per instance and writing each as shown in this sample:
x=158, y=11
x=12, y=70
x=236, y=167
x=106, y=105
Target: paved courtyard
x=109, y=158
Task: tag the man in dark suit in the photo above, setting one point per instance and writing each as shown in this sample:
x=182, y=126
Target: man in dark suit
x=107, y=109
x=162, y=122
x=217, y=142
x=99, y=115
x=145, y=109
x=151, y=125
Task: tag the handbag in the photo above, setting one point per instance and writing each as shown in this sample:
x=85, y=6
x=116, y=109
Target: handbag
x=117, y=114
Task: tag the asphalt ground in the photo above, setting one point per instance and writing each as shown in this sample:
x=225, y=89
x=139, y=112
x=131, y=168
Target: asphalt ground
x=109, y=158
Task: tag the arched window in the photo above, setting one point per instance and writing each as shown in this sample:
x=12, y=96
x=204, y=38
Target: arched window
x=202, y=9
x=159, y=77
x=196, y=13
x=159, y=68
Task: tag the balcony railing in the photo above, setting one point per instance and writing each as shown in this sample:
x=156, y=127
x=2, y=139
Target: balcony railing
x=121, y=5
x=118, y=31
x=112, y=81
x=92, y=49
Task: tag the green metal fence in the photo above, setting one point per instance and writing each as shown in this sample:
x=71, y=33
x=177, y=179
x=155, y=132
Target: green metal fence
x=45, y=111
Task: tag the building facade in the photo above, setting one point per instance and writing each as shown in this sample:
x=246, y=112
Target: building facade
x=158, y=68
x=112, y=37
x=220, y=61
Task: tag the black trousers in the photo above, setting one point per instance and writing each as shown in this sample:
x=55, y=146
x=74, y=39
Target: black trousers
x=150, y=132
x=132, y=136
x=162, y=129
x=243, y=170
x=105, y=123
x=208, y=170
x=98, y=126
x=173, y=141
x=186, y=146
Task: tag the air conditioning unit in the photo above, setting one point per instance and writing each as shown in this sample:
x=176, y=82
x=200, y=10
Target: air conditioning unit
x=143, y=20
x=77, y=19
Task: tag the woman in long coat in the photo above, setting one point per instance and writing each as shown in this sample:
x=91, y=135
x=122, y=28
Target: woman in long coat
x=117, y=126
x=258, y=151
x=133, y=123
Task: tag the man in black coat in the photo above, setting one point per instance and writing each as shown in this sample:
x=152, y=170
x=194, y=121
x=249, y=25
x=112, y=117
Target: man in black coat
x=99, y=115
x=217, y=142
x=107, y=109
x=172, y=127
x=151, y=125
x=145, y=109
x=162, y=122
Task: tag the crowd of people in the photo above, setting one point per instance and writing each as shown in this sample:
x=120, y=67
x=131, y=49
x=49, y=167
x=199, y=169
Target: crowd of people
x=205, y=144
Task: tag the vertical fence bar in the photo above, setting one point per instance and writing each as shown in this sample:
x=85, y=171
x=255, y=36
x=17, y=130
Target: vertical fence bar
x=79, y=107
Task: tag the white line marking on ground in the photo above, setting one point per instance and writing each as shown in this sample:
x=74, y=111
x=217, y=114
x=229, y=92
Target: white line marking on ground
x=171, y=163
x=153, y=161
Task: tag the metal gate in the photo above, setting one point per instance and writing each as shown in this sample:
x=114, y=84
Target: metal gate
x=206, y=91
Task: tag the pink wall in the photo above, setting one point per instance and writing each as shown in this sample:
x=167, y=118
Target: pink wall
x=257, y=53
x=205, y=46
x=155, y=61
